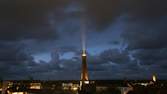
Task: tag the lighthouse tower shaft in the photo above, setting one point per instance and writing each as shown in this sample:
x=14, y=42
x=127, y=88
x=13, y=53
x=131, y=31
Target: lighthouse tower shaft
x=84, y=74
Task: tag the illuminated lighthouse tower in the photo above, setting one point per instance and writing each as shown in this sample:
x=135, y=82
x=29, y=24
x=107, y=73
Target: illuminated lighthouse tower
x=84, y=74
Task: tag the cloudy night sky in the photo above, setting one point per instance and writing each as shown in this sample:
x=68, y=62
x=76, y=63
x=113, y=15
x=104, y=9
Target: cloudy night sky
x=41, y=39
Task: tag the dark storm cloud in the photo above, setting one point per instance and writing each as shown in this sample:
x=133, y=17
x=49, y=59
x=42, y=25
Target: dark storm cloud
x=13, y=60
x=114, y=64
x=61, y=70
x=153, y=61
x=146, y=9
x=145, y=34
x=147, y=39
x=29, y=12
x=151, y=56
x=26, y=19
x=146, y=24
x=102, y=13
x=12, y=52
x=29, y=18
x=114, y=55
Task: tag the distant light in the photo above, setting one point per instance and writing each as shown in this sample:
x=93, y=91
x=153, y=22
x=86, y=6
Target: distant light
x=74, y=88
x=86, y=82
x=35, y=86
x=18, y=93
x=70, y=86
x=144, y=84
x=154, y=78
x=83, y=54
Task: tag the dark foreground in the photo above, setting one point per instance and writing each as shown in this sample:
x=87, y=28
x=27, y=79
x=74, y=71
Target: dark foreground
x=90, y=87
